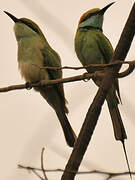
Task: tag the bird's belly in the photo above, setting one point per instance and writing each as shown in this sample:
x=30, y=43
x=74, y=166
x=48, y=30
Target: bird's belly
x=32, y=72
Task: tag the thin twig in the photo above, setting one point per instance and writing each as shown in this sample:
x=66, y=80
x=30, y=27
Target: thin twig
x=31, y=169
x=36, y=174
x=107, y=173
x=42, y=164
x=85, y=76
x=97, y=66
x=51, y=82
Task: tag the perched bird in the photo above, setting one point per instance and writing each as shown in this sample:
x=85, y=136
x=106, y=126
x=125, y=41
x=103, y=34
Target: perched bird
x=34, y=52
x=93, y=47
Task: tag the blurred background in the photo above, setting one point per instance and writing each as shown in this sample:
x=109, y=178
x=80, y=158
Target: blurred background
x=28, y=123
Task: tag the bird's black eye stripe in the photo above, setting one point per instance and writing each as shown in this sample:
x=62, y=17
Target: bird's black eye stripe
x=30, y=25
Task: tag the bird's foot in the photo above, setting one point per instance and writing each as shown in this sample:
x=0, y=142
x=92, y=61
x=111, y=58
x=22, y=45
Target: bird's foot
x=87, y=79
x=28, y=85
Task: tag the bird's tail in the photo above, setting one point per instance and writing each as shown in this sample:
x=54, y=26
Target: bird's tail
x=119, y=130
x=58, y=104
x=118, y=126
x=67, y=129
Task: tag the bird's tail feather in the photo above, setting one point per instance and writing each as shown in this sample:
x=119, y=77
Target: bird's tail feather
x=119, y=130
x=52, y=97
x=67, y=129
x=118, y=126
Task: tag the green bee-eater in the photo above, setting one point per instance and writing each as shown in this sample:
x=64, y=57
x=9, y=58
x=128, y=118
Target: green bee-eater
x=33, y=49
x=93, y=47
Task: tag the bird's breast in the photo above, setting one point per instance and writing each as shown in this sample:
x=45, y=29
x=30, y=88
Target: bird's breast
x=87, y=48
x=32, y=72
x=30, y=61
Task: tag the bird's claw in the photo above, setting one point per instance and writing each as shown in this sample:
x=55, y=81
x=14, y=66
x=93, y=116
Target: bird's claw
x=28, y=85
x=87, y=79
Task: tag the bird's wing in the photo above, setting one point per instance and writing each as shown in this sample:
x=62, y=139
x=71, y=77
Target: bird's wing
x=107, y=52
x=105, y=47
x=52, y=59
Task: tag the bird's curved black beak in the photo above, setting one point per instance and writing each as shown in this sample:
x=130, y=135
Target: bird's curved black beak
x=102, y=11
x=12, y=17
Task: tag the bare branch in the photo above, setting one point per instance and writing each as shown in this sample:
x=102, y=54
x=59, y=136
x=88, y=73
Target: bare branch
x=86, y=76
x=42, y=164
x=94, y=67
x=106, y=173
x=37, y=174
x=34, y=170
x=49, y=82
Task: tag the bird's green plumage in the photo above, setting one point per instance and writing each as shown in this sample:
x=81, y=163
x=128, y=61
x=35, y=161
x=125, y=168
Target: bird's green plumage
x=93, y=47
x=34, y=53
x=89, y=46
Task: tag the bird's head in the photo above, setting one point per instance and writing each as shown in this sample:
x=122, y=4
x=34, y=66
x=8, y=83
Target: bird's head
x=24, y=27
x=93, y=18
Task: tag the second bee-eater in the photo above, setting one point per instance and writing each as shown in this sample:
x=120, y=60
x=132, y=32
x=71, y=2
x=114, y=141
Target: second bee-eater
x=93, y=47
x=34, y=52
